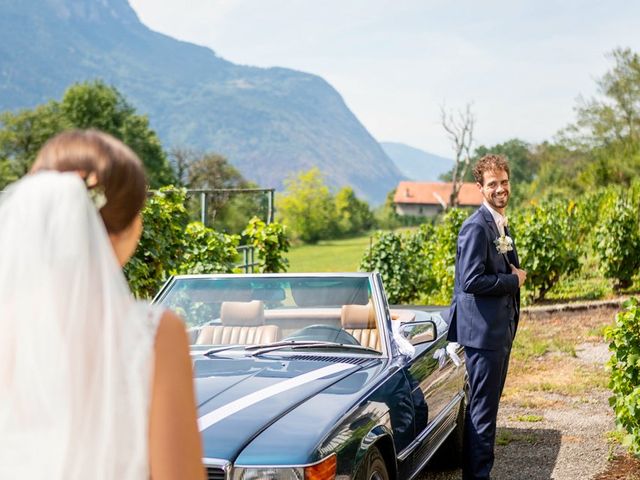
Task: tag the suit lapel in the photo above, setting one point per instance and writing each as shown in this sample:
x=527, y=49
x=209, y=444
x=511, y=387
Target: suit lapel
x=486, y=214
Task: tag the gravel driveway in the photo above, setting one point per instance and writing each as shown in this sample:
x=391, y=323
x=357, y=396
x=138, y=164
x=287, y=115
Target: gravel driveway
x=559, y=436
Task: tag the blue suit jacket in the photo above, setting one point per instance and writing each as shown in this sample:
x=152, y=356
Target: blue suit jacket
x=486, y=295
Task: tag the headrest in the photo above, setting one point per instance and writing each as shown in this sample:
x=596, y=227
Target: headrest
x=358, y=316
x=245, y=314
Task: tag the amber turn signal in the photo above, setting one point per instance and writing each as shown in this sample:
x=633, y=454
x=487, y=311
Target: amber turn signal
x=325, y=470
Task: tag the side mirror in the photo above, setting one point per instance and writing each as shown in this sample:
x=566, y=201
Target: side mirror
x=418, y=332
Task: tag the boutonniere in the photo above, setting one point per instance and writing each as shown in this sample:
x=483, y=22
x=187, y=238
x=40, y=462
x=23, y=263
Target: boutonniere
x=503, y=243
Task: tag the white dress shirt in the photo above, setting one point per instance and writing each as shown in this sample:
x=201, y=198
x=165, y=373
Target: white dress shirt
x=500, y=219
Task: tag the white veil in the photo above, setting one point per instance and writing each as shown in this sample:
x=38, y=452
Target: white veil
x=75, y=348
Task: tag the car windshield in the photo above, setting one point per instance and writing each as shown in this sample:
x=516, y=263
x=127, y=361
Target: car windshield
x=259, y=310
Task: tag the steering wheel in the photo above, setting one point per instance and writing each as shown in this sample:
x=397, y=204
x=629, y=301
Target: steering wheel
x=326, y=333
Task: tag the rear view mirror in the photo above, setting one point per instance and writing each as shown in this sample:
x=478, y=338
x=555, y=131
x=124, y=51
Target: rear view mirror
x=418, y=332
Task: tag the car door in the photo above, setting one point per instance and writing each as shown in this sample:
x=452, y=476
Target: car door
x=436, y=381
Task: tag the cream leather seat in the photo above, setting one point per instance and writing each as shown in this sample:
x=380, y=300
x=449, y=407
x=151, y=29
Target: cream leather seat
x=242, y=324
x=360, y=321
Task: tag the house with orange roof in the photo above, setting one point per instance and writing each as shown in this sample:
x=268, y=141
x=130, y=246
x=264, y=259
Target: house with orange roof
x=427, y=199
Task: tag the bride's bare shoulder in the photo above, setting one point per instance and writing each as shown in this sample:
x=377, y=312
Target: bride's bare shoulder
x=171, y=331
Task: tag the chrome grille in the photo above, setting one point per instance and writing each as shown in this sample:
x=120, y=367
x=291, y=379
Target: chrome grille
x=216, y=473
x=327, y=358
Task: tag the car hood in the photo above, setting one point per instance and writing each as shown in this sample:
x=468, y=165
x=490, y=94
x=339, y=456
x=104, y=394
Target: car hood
x=239, y=398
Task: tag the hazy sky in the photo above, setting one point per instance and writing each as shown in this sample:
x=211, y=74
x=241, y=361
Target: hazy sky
x=395, y=62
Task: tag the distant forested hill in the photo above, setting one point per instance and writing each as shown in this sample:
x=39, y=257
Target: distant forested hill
x=268, y=122
x=416, y=164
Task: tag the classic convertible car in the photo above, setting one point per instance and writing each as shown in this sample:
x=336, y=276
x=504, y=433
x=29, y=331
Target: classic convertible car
x=313, y=376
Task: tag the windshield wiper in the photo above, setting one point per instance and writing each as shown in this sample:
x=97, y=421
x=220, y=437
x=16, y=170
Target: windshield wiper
x=299, y=345
x=259, y=348
x=255, y=350
x=215, y=350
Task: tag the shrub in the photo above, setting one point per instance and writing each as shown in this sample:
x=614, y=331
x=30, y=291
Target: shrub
x=543, y=236
x=624, y=338
x=618, y=242
x=388, y=256
x=170, y=245
x=162, y=245
x=208, y=251
x=417, y=266
x=420, y=246
x=270, y=242
x=444, y=256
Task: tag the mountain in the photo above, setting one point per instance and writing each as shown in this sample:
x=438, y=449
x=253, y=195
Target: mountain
x=269, y=122
x=416, y=164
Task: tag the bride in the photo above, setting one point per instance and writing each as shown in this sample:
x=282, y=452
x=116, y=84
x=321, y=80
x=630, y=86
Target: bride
x=93, y=385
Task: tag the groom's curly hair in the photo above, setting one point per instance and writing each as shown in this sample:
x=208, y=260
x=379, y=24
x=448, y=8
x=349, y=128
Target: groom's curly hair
x=490, y=163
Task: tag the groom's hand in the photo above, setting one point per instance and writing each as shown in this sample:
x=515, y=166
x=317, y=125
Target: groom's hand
x=522, y=275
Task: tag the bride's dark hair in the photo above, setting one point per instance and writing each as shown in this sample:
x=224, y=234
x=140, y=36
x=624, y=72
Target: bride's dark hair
x=115, y=167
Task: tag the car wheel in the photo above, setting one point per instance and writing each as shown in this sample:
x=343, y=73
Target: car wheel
x=373, y=466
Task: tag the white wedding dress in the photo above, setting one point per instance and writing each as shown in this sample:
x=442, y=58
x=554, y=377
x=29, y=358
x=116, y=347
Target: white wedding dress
x=76, y=350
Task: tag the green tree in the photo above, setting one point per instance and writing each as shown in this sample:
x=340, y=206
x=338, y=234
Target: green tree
x=522, y=163
x=307, y=207
x=353, y=215
x=611, y=120
x=560, y=172
x=607, y=128
x=84, y=105
x=22, y=134
x=98, y=105
x=226, y=211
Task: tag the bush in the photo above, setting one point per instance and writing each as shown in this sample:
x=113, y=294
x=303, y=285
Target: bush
x=170, y=245
x=388, y=256
x=161, y=246
x=444, y=257
x=420, y=248
x=618, y=242
x=208, y=251
x=417, y=266
x=270, y=242
x=624, y=338
x=543, y=235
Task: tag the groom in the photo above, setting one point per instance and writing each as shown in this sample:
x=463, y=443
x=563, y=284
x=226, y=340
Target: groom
x=485, y=309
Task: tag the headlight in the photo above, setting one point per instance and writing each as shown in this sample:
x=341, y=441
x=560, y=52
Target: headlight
x=323, y=470
x=263, y=473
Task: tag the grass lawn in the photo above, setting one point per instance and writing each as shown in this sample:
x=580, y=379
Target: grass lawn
x=329, y=255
